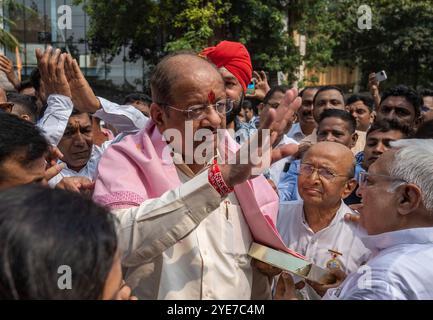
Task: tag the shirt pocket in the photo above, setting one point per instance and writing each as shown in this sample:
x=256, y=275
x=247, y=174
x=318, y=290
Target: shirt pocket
x=237, y=237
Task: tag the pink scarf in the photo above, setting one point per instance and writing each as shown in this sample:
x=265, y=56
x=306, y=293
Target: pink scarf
x=133, y=171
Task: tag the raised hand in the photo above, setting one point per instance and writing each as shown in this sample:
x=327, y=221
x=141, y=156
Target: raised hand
x=8, y=68
x=83, y=96
x=52, y=69
x=373, y=86
x=260, y=145
x=261, y=86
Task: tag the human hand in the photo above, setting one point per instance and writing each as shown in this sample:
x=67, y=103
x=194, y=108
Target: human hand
x=7, y=67
x=353, y=216
x=261, y=86
x=256, y=149
x=265, y=268
x=51, y=66
x=77, y=184
x=83, y=96
x=338, y=276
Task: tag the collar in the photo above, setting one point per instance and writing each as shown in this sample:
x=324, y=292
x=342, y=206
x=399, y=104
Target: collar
x=339, y=215
x=180, y=165
x=400, y=237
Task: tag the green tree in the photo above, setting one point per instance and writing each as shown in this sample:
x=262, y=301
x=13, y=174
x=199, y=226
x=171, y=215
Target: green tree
x=152, y=28
x=400, y=41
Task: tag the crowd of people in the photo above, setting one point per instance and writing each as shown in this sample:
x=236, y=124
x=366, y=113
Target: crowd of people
x=141, y=201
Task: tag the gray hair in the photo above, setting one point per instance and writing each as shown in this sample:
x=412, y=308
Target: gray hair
x=413, y=162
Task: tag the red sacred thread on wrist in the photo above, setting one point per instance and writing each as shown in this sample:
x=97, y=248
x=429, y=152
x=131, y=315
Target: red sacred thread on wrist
x=217, y=181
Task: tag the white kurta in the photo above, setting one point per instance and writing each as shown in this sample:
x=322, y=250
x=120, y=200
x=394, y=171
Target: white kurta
x=210, y=262
x=401, y=268
x=341, y=236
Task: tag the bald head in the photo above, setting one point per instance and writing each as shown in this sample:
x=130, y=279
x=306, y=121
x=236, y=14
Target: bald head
x=334, y=152
x=176, y=69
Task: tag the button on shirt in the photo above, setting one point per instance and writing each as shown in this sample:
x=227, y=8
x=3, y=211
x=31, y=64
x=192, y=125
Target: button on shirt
x=401, y=268
x=340, y=236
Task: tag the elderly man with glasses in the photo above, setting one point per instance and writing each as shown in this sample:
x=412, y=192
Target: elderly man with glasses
x=184, y=233
x=315, y=225
x=397, y=213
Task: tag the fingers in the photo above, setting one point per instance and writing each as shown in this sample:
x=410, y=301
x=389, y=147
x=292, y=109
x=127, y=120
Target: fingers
x=5, y=62
x=43, y=60
x=76, y=69
x=53, y=61
x=285, y=289
x=283, y=152
x=264, y=77
x=69, y=71
x=349, y=217
x=257, y=76
x=265, y=268
x=54, y=171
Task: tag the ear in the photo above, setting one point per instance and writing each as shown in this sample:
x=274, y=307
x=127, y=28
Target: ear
x=348, y=189
x=158, y=115
x=409, y=198
x=25, y=117
x=373, y=116
x=354, y=139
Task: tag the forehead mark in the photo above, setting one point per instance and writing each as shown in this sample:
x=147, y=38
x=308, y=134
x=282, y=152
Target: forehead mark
x=211, y=97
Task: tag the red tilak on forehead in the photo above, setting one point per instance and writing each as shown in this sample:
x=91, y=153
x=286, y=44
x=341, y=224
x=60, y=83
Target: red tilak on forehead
x=211, y=97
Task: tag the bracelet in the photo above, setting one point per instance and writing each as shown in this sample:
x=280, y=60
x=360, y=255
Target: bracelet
x=217, y=181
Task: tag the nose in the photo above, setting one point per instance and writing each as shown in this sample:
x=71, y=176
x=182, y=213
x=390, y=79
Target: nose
x=391, y=115
x=380, y=148
x=213, y=118
x=79, y=139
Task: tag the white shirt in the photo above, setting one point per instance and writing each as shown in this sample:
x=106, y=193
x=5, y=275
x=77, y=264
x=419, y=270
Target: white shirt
x=125, y=119
x=340, y=236
x=278, y=167
x=296, y=133
x=55, y=118
x=189, y=244
x=401, y=268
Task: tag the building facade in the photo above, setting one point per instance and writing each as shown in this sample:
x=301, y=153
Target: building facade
x=39, y=23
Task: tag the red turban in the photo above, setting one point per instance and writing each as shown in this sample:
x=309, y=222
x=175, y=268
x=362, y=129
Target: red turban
x=234, y=57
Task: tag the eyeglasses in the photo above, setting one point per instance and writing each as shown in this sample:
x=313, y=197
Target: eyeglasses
x=323, y=173
x=198, y=112
x=363, y=180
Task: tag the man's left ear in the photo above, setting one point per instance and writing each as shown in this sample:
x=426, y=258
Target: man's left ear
x=354, y=139
x=350, y=186
x=373, y=116
x=409, y=198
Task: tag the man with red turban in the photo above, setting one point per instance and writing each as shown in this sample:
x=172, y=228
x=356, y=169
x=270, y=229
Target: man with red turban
x=234, y=63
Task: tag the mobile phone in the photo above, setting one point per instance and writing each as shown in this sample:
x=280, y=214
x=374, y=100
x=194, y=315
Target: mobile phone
x=381, y=76
x=251, y=87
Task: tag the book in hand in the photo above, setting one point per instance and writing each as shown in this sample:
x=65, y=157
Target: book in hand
x=291, y=262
